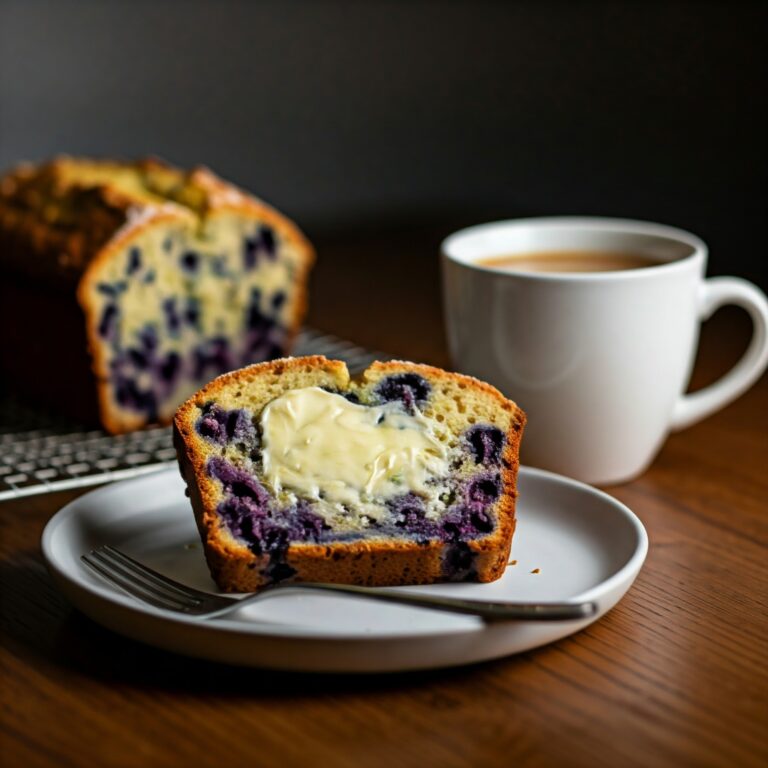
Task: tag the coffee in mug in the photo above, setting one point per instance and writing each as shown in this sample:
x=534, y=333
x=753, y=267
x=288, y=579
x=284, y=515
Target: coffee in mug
x=568, y=261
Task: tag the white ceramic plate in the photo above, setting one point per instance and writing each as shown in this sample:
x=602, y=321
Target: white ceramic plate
x=583, y=545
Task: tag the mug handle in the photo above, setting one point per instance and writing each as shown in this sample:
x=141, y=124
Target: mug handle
x=715, y=293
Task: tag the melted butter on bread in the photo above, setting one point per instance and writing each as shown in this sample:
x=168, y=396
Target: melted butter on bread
x=319, y=445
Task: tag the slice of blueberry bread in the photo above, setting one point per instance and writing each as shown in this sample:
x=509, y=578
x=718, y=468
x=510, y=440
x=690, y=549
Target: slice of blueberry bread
x=405, y=475
x=180, y=277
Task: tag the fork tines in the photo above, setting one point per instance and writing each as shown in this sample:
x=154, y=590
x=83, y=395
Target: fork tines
x=142, y=582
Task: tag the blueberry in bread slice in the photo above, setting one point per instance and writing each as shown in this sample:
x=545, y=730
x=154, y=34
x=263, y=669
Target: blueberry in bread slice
x=179, y=276
x=405, y=475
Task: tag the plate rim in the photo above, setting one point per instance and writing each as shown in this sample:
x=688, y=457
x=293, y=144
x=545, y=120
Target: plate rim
x=293, y=632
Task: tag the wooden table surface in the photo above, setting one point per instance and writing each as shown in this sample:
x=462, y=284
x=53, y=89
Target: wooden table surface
x=675, y=675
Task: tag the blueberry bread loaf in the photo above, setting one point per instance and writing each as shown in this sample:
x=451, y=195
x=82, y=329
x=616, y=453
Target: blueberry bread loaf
x=179, y=277
x=404, y=476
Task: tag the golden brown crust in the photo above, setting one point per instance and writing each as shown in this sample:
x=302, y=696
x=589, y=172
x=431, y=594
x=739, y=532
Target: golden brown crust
x=374, y=562
x=56, y=217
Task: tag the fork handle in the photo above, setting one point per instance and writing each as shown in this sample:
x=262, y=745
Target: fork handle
x=489, y=611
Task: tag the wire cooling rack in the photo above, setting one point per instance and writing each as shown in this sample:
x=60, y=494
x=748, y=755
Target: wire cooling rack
x=38, y=455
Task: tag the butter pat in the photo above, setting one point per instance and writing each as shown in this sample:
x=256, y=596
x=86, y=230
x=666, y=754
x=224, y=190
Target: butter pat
x=318, y=445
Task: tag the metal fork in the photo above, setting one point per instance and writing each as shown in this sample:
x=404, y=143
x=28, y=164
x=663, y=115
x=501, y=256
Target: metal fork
x=151, y=587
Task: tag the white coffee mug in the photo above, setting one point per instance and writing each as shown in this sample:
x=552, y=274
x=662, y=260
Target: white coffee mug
x=600, y=361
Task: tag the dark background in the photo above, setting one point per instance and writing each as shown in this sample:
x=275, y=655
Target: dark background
x=410, y=119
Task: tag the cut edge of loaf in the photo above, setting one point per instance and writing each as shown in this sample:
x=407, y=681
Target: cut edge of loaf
x=129, y=422
x=373, y=562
